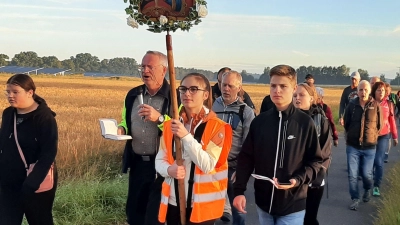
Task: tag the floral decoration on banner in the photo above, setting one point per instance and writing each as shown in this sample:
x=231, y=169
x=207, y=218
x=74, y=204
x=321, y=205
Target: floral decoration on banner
x=165, y=15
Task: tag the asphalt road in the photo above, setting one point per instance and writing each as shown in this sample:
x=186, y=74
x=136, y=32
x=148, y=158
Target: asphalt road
x=334, y=210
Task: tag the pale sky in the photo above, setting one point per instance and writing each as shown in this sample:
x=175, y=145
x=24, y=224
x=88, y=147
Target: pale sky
x=249, y=35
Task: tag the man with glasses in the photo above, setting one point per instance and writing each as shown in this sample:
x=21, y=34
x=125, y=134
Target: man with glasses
x=232, y=110
x=216, y=89
x=144, y=109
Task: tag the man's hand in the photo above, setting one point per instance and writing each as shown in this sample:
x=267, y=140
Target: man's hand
x=341, y=121
x=178, y=128
x=121, y=131
x=177, y=172
x=148, y=112
x=240, y=203
x=335, y=143
x=395, y=142
x=285, y=187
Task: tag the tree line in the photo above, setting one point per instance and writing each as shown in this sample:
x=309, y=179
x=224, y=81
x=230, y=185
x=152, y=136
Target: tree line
x=85, y=62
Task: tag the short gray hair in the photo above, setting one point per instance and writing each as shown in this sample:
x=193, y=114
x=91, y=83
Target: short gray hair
x=364, y=82
x=237, y=74
x=320, y=92
x=162, y=56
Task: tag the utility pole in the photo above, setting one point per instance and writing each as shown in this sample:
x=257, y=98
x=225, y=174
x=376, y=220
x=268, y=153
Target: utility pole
x=398, y=77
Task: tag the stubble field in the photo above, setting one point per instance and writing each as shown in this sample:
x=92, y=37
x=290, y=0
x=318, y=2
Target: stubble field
x=92, y=190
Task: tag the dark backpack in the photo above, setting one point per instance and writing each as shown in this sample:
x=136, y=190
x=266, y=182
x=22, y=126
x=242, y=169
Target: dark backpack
x=232, y=116
x=324, y=133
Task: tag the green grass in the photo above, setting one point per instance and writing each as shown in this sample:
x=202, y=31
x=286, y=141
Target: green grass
x=389, y=207
x=91, y=202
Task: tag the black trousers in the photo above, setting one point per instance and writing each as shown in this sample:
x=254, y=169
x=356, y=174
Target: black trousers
x=173, y=217
x=37, y=207
x=314, y=196
x=144, y=194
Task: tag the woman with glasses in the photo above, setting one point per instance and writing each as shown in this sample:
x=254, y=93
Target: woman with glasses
x=206, y=141
x=305, y=98
x=28, y=137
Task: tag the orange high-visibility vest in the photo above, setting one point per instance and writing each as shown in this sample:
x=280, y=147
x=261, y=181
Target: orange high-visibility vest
x=209, y=189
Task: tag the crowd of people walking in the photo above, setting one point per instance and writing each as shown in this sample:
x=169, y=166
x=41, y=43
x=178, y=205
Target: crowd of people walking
x=223, y=144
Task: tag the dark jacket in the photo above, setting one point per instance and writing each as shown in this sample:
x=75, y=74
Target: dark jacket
x=298, y=157
x=266, y=104
x=38, y=137
x=129, y=100
x=347, y=95
x=325, y=140
x=245, y=98
x=362, y=125
x=328, y=114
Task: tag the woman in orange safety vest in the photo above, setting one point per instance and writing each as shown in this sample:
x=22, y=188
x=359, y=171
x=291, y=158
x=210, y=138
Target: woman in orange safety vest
x=206, y=141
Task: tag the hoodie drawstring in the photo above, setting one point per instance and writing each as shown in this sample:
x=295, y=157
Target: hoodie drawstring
x=276, y=158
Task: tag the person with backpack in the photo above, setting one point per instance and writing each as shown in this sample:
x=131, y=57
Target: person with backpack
x=236, y=113
x=328, y=114
x=28, y=143
x=206, y=141
x=216, y=89
x=388, y=131
x=362, y=123
x=304, y=99
x=282, y=145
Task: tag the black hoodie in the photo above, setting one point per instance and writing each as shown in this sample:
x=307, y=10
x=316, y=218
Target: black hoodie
x=38, y=138
x=299, y=157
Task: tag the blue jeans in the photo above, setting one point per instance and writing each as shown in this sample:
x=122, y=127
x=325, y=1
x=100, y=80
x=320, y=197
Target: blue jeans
x=353, y=162
x=291, y=219
x=238, y=217
x=381, y=148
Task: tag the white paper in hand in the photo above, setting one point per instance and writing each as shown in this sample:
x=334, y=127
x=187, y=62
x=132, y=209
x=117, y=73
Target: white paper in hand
x=263, y=178
x=109, y=130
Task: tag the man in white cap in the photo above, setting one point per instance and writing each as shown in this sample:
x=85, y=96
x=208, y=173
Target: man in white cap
x=349, y=93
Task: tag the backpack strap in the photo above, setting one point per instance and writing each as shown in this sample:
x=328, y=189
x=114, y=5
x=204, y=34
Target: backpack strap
x=197, y=135
x=239, y=113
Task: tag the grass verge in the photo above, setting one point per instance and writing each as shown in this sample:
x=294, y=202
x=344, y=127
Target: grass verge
x=91, y=202
x=389, y=207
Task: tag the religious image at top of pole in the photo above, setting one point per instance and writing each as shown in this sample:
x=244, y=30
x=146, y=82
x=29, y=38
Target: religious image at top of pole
x=165, y=15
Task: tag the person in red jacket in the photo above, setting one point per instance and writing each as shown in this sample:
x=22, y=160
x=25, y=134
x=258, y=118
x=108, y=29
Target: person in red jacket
x=328, y=113
x=388, y=131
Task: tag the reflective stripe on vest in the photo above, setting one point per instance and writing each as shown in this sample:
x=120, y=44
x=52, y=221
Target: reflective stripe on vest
x=209, y=190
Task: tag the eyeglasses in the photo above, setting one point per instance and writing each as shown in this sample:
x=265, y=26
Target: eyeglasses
x=192, y=90
x=8, y=93
x=142, y=68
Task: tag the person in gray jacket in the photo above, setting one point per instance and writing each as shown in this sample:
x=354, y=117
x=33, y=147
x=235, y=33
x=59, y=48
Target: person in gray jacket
x=239, y=115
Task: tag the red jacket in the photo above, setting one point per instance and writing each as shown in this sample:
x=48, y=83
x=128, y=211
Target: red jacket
x=389, y=122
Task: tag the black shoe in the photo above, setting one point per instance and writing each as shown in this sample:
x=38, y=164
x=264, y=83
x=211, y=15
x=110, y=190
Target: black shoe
x=366, y=196
x=226, y=217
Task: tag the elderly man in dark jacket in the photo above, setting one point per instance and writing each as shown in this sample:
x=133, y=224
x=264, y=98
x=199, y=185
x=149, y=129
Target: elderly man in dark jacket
x=362, y=122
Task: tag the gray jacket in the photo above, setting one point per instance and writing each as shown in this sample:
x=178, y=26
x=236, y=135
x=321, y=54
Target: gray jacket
x=229, y=114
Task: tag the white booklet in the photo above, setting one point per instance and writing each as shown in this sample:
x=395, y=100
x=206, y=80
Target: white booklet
x=109, y=130
x=263, y=178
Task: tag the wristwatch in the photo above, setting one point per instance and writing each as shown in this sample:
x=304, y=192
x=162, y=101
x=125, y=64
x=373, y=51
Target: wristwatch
x=161, y=119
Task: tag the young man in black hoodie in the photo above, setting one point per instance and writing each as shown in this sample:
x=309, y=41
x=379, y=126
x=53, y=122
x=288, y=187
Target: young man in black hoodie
x=282, y=144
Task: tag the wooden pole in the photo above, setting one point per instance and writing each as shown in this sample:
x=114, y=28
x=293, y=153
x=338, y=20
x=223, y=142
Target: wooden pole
x=178, y=147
